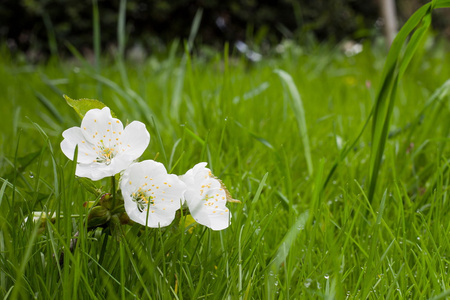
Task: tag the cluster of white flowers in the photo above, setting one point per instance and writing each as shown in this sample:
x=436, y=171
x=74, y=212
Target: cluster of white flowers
x=151, y=195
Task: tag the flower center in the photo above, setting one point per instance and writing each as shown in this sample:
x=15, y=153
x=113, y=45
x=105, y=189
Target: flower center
x=142, y=201
x=106, y=154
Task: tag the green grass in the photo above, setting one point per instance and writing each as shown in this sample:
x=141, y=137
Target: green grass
x=302, y=231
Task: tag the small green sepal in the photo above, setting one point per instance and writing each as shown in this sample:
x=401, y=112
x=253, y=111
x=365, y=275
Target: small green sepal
x=106, y=201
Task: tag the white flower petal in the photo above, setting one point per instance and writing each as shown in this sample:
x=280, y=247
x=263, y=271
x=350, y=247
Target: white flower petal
x=206, y=198
x=98, y=125
x=151, y=196
x=135, y=139
x=94, y=171
x=73, y=137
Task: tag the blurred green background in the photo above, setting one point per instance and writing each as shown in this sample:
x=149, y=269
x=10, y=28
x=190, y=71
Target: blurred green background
x=39, y=28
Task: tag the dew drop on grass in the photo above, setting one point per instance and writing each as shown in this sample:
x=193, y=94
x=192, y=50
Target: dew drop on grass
x=31, y=175
x=44, y=263
x=326, y=276
x=307, y=282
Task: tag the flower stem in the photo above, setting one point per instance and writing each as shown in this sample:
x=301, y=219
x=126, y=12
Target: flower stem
x=113, y=187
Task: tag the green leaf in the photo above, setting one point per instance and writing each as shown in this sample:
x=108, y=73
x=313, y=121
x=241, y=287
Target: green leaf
x=442, y=4
x=82, y=106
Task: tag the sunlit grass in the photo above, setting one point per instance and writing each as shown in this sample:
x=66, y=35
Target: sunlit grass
x=292, y=237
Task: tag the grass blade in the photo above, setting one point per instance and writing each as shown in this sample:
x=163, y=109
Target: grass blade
x=96, y=40
x=297, y=107
x=394, y=69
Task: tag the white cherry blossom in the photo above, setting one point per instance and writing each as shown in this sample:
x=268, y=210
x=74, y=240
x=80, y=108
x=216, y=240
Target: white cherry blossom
x=105, y=148
x=151, y=196
x=206, y=197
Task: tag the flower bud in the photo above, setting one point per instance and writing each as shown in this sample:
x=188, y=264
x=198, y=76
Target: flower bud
x=106, y=201
x=98, y=216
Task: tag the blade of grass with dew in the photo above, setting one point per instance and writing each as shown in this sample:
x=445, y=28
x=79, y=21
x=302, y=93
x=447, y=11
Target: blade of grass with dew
x=283, y=250
x=438, y=96
x=372, y=248
x=18, y=289
x=288, y=240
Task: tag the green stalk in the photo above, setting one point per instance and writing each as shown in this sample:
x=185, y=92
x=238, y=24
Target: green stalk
x=113, y=192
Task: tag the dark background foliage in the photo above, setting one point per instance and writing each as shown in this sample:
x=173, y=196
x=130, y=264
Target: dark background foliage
x=33, y=25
